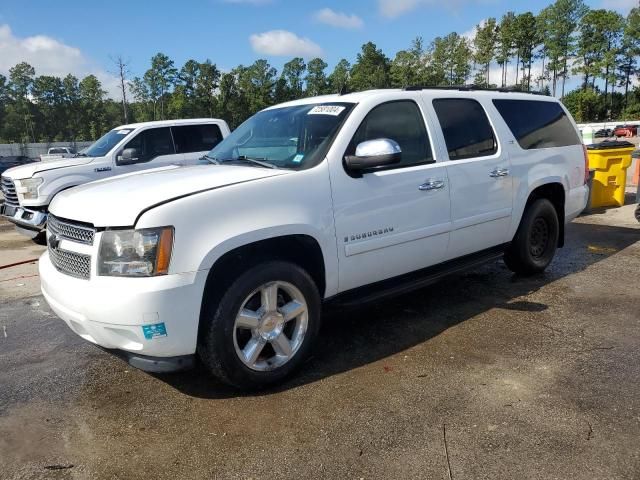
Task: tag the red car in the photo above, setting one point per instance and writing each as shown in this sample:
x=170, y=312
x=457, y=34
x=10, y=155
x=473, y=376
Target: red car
x=625, y=131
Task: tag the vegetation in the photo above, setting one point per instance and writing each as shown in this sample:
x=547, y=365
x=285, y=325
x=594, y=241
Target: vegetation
x=524, y=51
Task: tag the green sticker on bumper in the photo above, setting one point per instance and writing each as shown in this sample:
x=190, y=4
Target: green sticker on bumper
x=157, y=330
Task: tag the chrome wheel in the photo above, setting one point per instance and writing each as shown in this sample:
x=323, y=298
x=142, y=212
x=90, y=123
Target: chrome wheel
x=270, y=326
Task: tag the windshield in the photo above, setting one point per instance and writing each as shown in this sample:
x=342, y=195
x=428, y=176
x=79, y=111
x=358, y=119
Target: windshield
x=104, y=144
x=289, y=137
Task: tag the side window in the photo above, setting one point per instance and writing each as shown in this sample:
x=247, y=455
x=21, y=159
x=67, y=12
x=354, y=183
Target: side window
x=400, y=121
x=152, y=143
x=466, y=128
x=537, y=123
x=196, y=138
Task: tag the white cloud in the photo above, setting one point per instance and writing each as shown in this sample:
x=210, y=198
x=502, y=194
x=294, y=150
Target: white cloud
x=50, y=57
x=282, y=43
x=621, y=5
x=395, y=8
x=338, y=19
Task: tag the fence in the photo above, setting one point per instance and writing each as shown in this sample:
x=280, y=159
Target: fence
x=34, y=150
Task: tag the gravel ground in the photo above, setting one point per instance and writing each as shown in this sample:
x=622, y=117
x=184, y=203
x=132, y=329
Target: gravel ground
x=483, y=375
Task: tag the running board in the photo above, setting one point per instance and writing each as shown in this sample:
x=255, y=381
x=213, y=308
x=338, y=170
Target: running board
x=412, y=281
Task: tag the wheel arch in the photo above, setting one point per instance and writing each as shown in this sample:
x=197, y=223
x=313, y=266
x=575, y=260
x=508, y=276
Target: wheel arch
x=302, y=249
x=554, y=191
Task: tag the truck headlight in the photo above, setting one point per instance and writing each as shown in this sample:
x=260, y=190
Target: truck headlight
x=135, y=253
x=28, y=187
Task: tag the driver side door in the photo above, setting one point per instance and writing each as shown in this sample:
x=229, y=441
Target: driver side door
x=394, y=219
x=154, y=148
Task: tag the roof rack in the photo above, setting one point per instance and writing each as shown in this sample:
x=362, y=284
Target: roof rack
x=468, y=88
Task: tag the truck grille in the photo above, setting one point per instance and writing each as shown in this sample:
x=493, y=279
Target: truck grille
x=71, y=263
x=9, y=192
x=71, y=231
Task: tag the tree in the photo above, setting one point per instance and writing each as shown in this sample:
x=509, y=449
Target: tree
x=525, y=41
x=629, y=51
x=316, y=79
x=407, y=68
x=20, y=81
x=122, y=71
x=561, y=19
x=48, y=94
x=484, y=44
x=293, y=76
x=371, y=69
x=206, y=85
x=92, y=102
x=340, y=77
x=506, y=43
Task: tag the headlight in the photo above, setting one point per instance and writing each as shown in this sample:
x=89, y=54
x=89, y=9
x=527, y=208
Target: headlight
x=135, y=253
x=28, y=187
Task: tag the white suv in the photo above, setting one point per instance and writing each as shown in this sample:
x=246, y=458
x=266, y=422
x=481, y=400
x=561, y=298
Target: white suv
x=340, y=198
x=29, y=189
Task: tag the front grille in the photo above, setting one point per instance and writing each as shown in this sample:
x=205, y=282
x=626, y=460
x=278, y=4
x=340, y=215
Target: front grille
x=9, y=192
x=71, y=263
x=70, y=230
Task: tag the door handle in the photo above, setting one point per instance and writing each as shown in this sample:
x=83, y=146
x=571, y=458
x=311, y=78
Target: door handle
x=432, y=185
x=499, y=172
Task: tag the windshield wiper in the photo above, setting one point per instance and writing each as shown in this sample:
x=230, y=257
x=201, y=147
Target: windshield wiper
x=213, y=160
x=80, y=155
x=254, y=161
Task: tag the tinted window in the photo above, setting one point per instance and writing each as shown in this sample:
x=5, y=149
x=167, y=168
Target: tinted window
x=466, y=128
x=152, y=143
x=400, y=121
x=537, y=124
x=196, y=138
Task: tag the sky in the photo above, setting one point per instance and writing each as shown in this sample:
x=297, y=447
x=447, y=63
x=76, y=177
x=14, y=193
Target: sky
x=81, y=37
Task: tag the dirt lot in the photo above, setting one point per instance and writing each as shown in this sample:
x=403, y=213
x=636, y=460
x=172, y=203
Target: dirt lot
x=484, y=375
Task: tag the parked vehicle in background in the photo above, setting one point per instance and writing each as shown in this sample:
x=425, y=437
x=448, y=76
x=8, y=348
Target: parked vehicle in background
x=13, y=161
x=29, y=189
x=54, y=153
x=603, y=133
x=625, y=131
x=340, y=198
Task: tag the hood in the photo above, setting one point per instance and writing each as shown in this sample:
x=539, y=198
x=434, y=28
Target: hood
x=117, y=201
x=30, y=169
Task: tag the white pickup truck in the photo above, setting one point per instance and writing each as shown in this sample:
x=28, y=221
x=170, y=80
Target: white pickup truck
x=29, y=189
x=336, y=199
x=54, y=153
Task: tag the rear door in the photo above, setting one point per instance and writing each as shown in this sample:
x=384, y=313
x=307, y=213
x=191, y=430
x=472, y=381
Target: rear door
x=193, y=141
x=479, y=176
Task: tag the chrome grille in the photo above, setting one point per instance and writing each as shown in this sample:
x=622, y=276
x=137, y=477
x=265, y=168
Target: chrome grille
x=9, y=192
x=70, y=231
x=71, y=263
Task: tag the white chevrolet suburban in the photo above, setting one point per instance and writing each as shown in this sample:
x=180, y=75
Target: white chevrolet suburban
x=339, y=198
x=29, y=189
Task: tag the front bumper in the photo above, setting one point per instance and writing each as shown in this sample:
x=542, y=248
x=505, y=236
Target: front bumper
x=33, y=220
x=148, y=317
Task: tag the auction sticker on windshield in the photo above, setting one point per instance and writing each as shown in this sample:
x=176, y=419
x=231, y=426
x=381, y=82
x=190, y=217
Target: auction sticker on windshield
x=326, y=110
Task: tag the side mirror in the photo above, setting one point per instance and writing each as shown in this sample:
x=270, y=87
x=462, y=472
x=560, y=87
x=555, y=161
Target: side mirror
x=129, y=156
x=374, y=153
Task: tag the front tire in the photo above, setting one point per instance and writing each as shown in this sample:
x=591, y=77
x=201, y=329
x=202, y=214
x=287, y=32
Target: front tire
x=536, y=240
x=263, y=327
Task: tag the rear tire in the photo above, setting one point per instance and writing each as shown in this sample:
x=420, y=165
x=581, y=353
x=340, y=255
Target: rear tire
x=263, y=328
x=536, y=239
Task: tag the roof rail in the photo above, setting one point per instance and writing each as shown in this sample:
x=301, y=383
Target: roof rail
x=468, y=88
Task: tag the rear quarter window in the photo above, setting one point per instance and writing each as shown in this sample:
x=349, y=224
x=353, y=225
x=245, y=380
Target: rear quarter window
x=537, y=124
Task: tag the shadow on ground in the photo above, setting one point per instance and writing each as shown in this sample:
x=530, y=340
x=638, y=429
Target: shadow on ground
x=351, y=339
